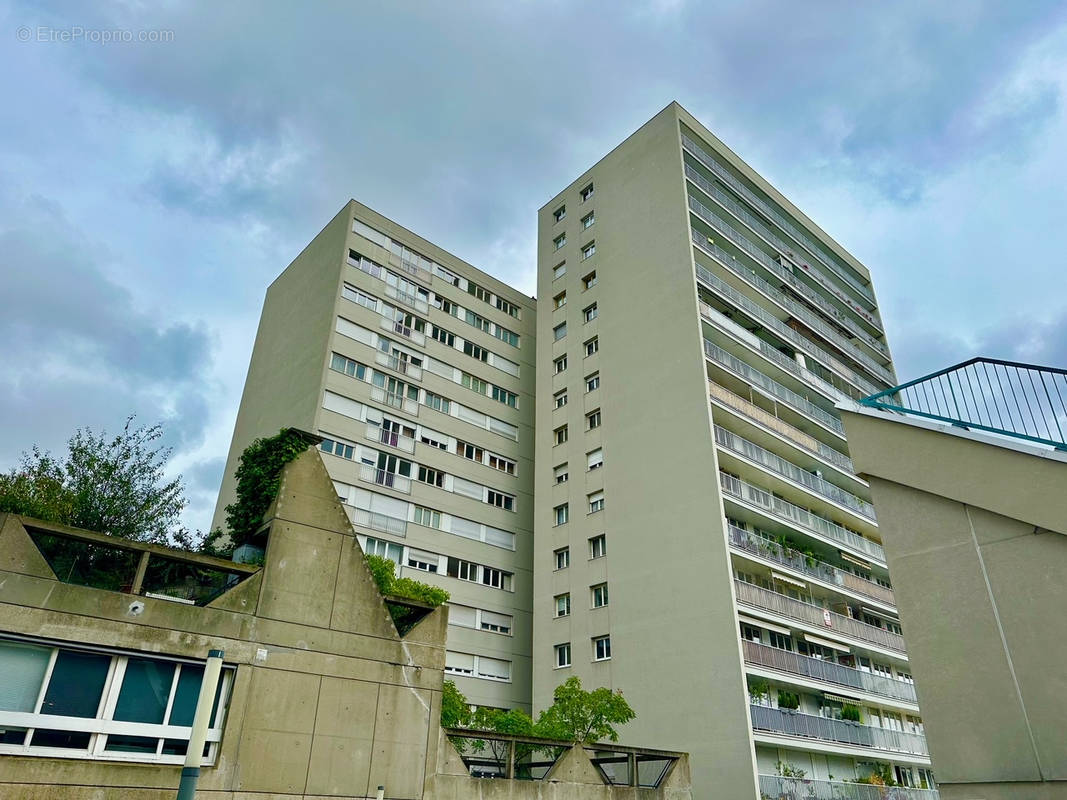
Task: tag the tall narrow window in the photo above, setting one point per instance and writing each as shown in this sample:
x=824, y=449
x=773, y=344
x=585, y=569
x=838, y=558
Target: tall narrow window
x=563, y=655
x=562, y=557
x=560, y=434
x=590, y=313
x=588, y=250
x=562, y=513
x=593, y=419
x=589, y=281
x=561, y=473
x=596, y=502
x=563, y=604
x=559, y=365
x=592, y=346
x=586, y=192
x=559, y=331
x=559, y=300
x=588, y=220
x=559, y=270
x=559, y=214
x=599, y=595
x=598, y=546
x=601, y=648
x=560, y=240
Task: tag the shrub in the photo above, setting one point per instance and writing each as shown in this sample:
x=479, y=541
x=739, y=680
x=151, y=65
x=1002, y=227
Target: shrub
x=788, y=699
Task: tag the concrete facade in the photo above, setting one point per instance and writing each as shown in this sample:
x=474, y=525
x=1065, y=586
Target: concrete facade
x=419, y=370
x=975, y=533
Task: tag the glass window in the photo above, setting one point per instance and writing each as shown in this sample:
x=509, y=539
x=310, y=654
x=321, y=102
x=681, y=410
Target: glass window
x=598, y=546
x=592, y=382
x=76, y=684
x=563, y=557
x=593, y=419
x=559, y=331
x=592, y=346
x=560, y=434
x=559, y=364
x=600, y=595
x=588, y=250
x=591, y=313
x=563, y=655
x=23, y=667
x=562, y=513
x=587, y=192
x=563, y=604
x=589, y=281
x=145, y=690
x=560, y=398
x=559, y=270
x=559, y=300
x=559, y=241
x=561, y=473
x=602, y=648
x=588, y=220
x=559, y=214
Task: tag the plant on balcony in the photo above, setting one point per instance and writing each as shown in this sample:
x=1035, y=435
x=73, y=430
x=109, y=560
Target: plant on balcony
x=788, y=700
x=850, y=713
x=787, y=770
x=758, y=690
x=404, y=618
x=882, y=775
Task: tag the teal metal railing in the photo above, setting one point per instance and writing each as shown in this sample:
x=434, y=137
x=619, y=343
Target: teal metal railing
x=987, y=394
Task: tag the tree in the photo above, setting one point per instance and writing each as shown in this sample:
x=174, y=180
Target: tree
x=115, y=486
x=580, y=716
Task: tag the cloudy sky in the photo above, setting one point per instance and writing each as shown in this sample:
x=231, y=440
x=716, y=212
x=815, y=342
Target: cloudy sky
x=149, y=192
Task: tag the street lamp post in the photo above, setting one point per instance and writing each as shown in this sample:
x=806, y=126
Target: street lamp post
x=195, y=754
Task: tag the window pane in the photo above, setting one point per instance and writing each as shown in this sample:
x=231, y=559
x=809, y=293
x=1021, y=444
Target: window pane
x=67, y=739
x=188, y=692
x=145, y=690
x=75, y=687
x=131, y=744
x=23, y=667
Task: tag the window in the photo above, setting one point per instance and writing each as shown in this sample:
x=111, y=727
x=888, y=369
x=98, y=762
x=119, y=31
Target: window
x=434, y=477
x=377, y=547
x=420, y=560
x=559, y=214
x=351, y=368
x=560, y=240
x=592, y=419
x=438, y=403
x=477, y=321
x=596, y=502
x=117, y=702
x=563, y=604
x=592, y=382
x=562, y=513
x=502, y=464
x=560, y=399
x=595, y=458
x=592, y=346
x=600, y=595
x=459, y=663
x=504, y=396
x=443, y=336
x=563, y=557
x=587, y=192
x=428, y=437
x=601, y=648
x=500, y=500
x=559, y=365
x=588, y=250
x=563, y=655
x=474, y=351
x=559, y=331
x=463, y=570
x=472, y=383
x=473, y=452
x=589, y=281
x=560, y=434
x=590, y=313
x=559, y=270
x=495, y=623
x=781, y=641
x=506, y=336
x=478, y=291
x=496, y=578
x=338, y=448
x=559, y=300
x=561, y=473
x=427, y=517
x=750, y=633
x=588, y=220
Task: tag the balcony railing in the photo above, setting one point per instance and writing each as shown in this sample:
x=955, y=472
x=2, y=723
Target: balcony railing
x=405, y=404
x=407, y=298
x=798, y=516
x=760, y=655
x=398, y=327
x=775, y=787
x=750, y=374
x=379, y=522
x=787, y=469
x=391, y=438
x=815, y=250
x=400, y=365
x=768, y=420
x=772, y=551
x=810, y=318
x=809, y=726
x=1007, y=398
x=414, y=270
x=757, y=596
x=390, y=480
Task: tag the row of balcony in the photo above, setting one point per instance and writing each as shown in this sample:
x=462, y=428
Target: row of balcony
x=787, y=469
x=761, y=655
x=398, y=327
x=399, y=441
x=394, y=400
x=800, y=517
x=798, y=310
x=815, y=250
x=790, y=607
x=407, y=298
x=773, y=551
x=751, y=375
x=390, y=480
x=775, y=787
x=768, y=420
x=379, y=522
x=397, y=364
x=810, y=726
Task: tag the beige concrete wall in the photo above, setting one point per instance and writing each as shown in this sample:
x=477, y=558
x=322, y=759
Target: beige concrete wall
x=975, y=530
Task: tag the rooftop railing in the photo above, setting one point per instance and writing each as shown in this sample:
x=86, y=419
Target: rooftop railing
x=776, y=787
x=809, y=726
x=1007, y=398
x=761, y=655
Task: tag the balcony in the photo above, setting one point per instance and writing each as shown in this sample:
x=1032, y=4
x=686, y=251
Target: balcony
x=774, y=787
x=757, y=596
x=797, y=516
x=861, y=289
x=414, y=270
x=390, y=480
x=399, y=328
x=379, y=522
x=787, y=469
x=772, y=551
x=750, y=374
x=760, y=655
x=397, y=364
x=809, y=726
x=779, y=426
x=800, y=311
x=391, y=438
x=405, y=404
x=407, y=298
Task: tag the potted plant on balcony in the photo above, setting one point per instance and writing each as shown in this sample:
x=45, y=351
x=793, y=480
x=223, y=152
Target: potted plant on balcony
x=758, y=691
x=850, y=713
x=788, y=701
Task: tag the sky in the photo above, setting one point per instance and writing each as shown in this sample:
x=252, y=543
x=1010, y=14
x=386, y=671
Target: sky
x=153, y=185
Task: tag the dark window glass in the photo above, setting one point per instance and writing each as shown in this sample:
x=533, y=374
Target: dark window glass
x=131, y=744
x=144, y=693
x=76, y=685
x=68, y=739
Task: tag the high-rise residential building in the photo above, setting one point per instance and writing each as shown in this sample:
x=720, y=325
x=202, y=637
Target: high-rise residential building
x=418, y=371
x=702, y=540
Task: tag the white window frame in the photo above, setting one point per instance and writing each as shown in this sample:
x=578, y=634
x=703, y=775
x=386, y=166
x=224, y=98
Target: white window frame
x=562, y=654
x=602, y=648
x=598, y=546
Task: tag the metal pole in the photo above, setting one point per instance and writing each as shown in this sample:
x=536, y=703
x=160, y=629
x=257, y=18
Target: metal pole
x=195, y=754
x=381, y=793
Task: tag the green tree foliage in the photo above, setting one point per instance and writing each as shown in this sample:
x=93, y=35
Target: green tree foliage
x=455, y=711
x=113, y=485
x=580, y=716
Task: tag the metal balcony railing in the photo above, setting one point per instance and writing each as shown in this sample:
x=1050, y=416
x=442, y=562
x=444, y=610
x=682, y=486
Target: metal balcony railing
x=767, y=419
x=1007, y=398
x=809, y=726
x=752, y=595
x=400, y=365
x=371, y=474
x=772, y=551
x=775, y=787
x=398, y=327
x=787, y=469
x=391, y=438
x=407, y=298
x=379, y=522
x=380, y=395
x=800, y=517
x=751, y=375
x=761, y=655
x=817, y=251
